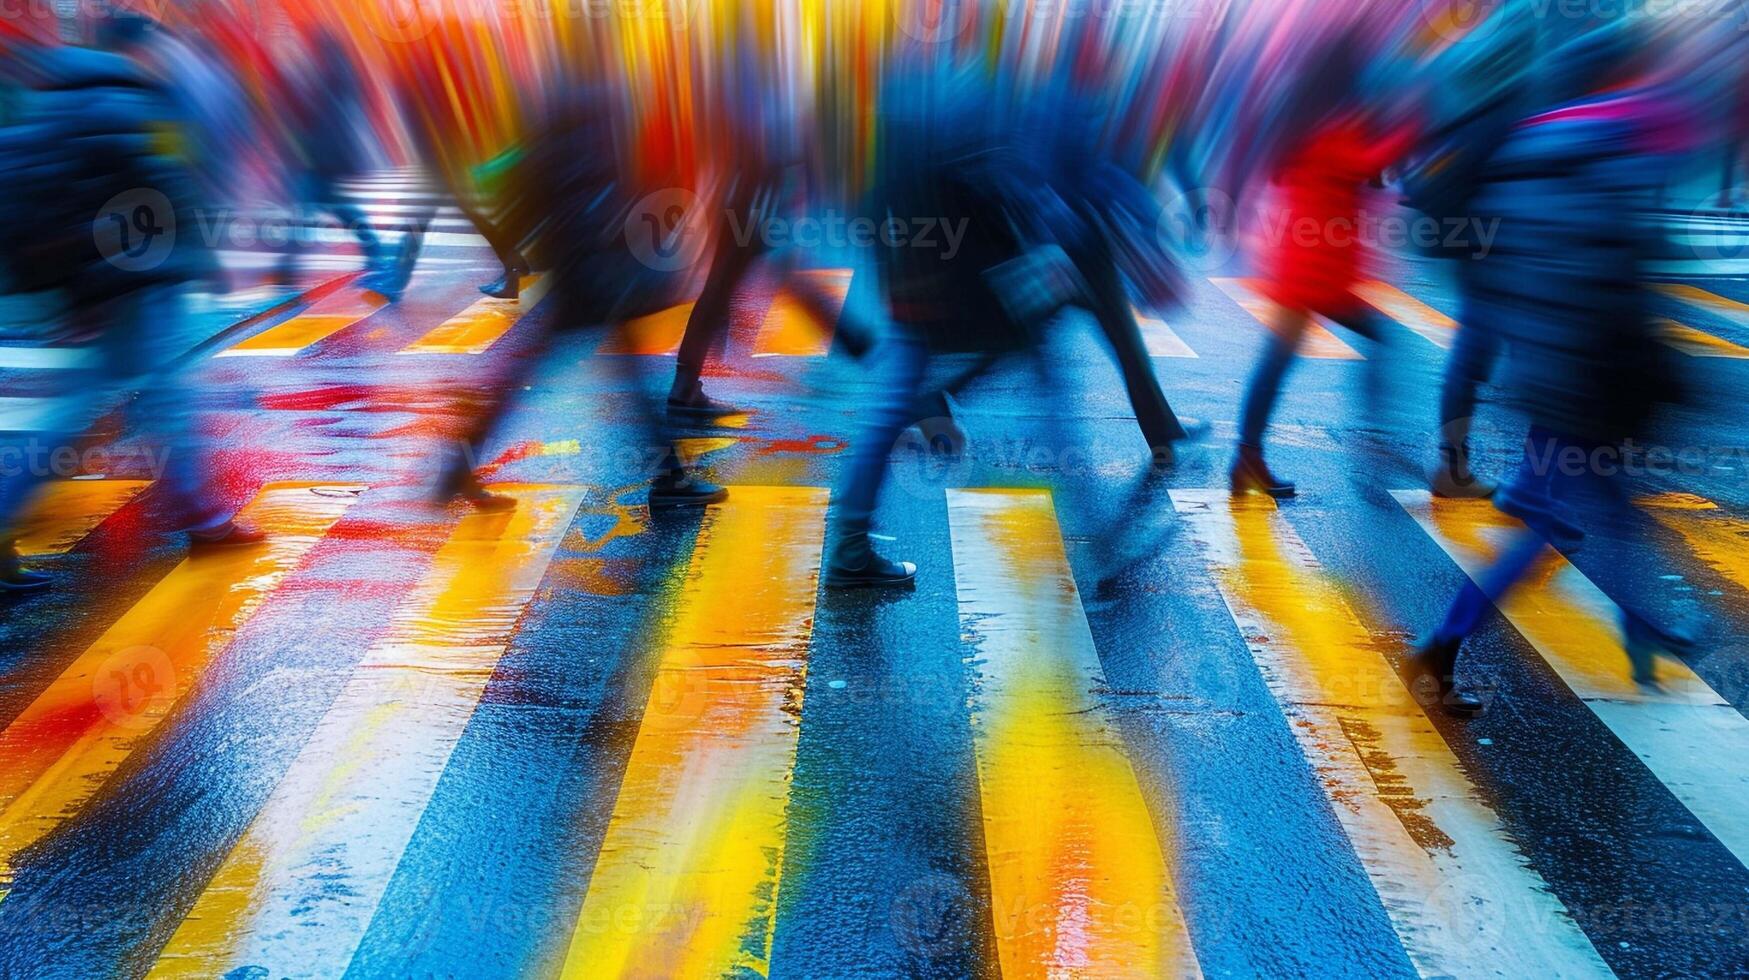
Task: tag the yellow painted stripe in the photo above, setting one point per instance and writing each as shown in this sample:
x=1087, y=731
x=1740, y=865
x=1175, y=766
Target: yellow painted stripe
x=1080, y=883
x=1680, y=733
x=1318, y=343
x=63, y=746
x=1161, y=339
x=791, y=330
x=65, y=511
x=1461, y=897
x=687, y=879
x=1716, y=537
x=321, y=321
x=1409, y=311
x=1697, y=343
x=475, y=329
x=1707, y=301
x=654, y=335
x=298, y=891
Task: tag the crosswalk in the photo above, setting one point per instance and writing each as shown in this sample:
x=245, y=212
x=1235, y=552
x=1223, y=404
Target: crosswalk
x=1076, y=841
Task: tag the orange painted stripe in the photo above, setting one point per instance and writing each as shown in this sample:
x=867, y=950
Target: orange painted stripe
x=477, y=328
x=1318, y=343
x=1409, y=311
x=297, y=893
x=1713, y=302
x=326, y=318
x=790, y=328
x=686, y=882
x=1080, y=883
x=65, y=511
x=1679, y=732
x=1697, y=343
x=1417, y=823
x=1716, y=537
x=62, y=747
x=654, y=335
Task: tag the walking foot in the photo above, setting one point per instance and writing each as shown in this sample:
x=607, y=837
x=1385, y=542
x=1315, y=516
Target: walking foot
x=1251, y=473
x=1429, y=675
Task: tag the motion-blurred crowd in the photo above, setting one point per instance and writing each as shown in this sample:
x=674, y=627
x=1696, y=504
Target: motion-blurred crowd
x=1079, y=155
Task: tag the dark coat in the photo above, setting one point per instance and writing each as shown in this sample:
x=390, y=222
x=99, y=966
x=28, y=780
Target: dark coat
x=1564, y=279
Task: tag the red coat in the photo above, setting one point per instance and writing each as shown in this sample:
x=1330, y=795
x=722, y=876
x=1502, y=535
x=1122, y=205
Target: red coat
x=1314, y=250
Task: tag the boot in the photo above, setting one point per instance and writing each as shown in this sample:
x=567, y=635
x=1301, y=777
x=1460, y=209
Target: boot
x=1250, y=473
x=1428, y=672
x=684, y=489
x=1453, y=479
x=14, y=577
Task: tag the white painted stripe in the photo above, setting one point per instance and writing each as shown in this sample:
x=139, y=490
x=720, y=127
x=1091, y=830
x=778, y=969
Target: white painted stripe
x=1080, y=881
x=30, y=414
x=1161, y=339
x=47, y=358
x=1459, y=894
x=298, y=891
x=1690, y=738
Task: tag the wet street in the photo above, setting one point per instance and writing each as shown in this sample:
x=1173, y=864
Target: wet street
x=1125, y=724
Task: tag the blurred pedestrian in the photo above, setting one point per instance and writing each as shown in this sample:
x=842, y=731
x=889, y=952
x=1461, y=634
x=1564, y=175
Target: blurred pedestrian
x=1565, y=284
x=1339, y=138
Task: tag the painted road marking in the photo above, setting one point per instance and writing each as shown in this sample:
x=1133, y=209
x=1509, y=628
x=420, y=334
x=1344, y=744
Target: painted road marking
x=30, y=414
x=1716, y=537
x=1458, y=891
x=47, y=358
x=1680, y=733
x=298, y=891
x=475, y=329
x=1697, y=343
x=63, y=746
x=1318, y=343
x=65, y=511
x=1080, y=883
x=326, y=318
x=1431, y=324
x=655, y=335
x=1712, y=302
x=1161, y=339
x=686, y=883
x=790, y=328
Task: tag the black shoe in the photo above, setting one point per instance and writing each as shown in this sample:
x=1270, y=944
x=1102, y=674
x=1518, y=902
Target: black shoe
x=14, y=577
x=1645, y=643
x=875, y=573
x=1250, y=473
x=461, y=482
x=506, y=286
x=1429, y=675
x=226, y=535
x=700, y=406
x=691, y=492
x=1456, y=482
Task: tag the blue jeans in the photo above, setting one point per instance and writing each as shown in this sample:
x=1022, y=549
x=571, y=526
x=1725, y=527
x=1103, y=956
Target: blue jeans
x=901, y=359
x=1552, y=500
